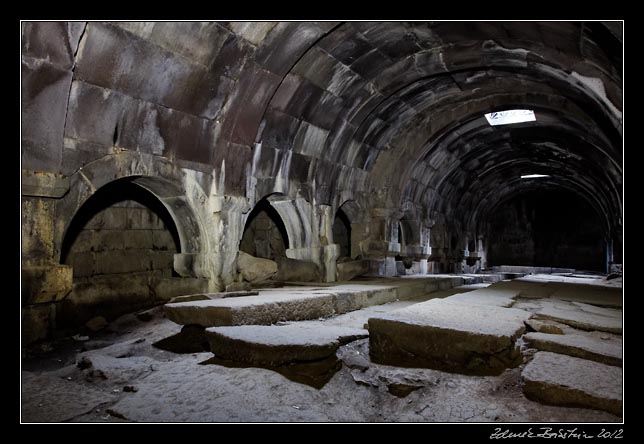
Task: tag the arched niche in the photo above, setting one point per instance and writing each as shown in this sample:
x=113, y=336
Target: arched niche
x=265, y=234
x=160, y=177
x=342, y=232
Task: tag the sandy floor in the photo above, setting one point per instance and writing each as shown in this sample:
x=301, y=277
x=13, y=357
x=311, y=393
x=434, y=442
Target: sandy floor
x=118, y=376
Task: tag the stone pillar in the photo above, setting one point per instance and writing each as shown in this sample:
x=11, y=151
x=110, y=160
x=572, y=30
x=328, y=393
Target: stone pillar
x=382, y=246
x=44, y=280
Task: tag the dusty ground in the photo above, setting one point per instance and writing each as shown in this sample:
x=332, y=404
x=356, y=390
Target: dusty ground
x=118, y=376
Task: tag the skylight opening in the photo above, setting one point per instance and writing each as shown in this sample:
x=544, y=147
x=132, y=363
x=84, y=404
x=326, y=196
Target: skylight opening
x=534, y=176
x=510, y=116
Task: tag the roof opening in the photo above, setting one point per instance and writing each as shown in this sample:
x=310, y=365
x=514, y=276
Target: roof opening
x=510, y=116
x=534, y=176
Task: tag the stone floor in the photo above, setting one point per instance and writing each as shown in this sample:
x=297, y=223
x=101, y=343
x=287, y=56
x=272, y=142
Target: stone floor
x=117, y=375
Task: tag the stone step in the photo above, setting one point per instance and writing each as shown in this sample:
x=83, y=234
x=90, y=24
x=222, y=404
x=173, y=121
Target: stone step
x=577, y=317
x=450, y=336
x=301, y=303
x=606, y=351
x=557, y=379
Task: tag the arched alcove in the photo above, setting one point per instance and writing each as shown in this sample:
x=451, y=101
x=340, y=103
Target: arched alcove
x=265, y=234
x=342, y=233
x=121, y=244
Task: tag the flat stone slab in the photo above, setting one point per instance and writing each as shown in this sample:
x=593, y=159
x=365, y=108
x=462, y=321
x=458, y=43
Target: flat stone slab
x=588, y=294
x=556, y=379
x=450, y=336
x=278, y=344
x=487, y=296
x=63, y=400
x=576, y=317
x=585, y=347
x=264, y=309
x=293, y=303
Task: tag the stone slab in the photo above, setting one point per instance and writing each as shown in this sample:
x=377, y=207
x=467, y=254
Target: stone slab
x=449, y=336
x=264, y=309
x=278, y=344
x=578, y=318
x=487, y=296
x=556, y=379
x=605, y=351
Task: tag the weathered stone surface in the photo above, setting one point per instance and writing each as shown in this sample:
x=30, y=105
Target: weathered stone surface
x=544, y=327
x=191, y=339
x=255, y=269
x=449, y=336
x=46, y=283
x=278, y=344
x=578, y=318
x=70, y=399
x=351, y=269
x=296, y=271
x=37, y=224
x=351, y=297
x=45, y=90
x=563, y=380
x=605, y=351
x=96, y=324
x=36, y=322
x=55, y=42
x=486, y=296
x=36, y=183
x=258, y=310
x=238, y=286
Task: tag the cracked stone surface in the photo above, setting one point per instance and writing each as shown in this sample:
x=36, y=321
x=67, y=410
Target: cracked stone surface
x=606, y=351
x=577, y=317
x=558, y=379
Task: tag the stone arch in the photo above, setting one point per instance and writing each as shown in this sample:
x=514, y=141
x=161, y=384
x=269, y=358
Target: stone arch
x=355, y=216
x=342, y=232
x=265, y=233
x=163, y=179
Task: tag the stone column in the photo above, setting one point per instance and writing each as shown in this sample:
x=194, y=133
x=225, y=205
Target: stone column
x=382, y=245
x=44, y=280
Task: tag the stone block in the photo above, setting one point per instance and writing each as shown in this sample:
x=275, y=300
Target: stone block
x=82, y=263
x=45, y=90
x=122, y=261
x=562, y=380
x=278, y=345
x=606, y=351
x=252, y=310
x=138, y=240
x=349, y=270
x=37, y=228
x=36, y=323
x=45, y=283
x=55, y=42
x=448, y=336
x=162, y=240
x=294, y=270
x=41, y=184
x=254, y=269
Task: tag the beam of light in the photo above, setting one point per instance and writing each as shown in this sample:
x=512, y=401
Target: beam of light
x=510, y=116
x=534, y=176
